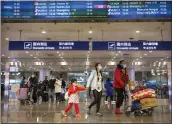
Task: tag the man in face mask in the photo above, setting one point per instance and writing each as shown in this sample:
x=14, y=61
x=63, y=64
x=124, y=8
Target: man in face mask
x=120, y=80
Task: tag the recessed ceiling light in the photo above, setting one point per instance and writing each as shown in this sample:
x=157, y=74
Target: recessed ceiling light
x=137, y=59
x=7, y=38
x=35, y=57
x=31, y=55
x=57, y=51
x=63, y=63
x=27, y=52
x=9, y=57
x=3, y=55
x=137, y=31
x=145, y=54
x=44, y=32
x=114, y=57
x=150, y=51
x=90, y=32
x=116, y=54
x=161, y=59
x=140, y=57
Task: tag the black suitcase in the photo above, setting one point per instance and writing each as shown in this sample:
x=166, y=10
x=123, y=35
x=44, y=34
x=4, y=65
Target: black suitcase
x=45, y=97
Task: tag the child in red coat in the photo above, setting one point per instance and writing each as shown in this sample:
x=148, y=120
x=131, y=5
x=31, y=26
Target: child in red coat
x=73, y=93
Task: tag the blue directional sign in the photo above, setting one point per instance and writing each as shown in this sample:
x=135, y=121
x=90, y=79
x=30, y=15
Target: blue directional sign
x=134, y=45
x=50, y=45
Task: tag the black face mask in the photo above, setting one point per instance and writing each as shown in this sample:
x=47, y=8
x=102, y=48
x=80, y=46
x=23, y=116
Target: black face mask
x=120, y=66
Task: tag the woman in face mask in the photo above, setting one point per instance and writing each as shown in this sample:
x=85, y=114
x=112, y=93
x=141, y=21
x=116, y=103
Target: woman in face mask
x=120, y=80
x=95, y=81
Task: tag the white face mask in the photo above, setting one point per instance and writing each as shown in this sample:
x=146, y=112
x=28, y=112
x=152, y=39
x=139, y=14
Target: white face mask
x=125, y=66
x=74, y=84
x=100, y=67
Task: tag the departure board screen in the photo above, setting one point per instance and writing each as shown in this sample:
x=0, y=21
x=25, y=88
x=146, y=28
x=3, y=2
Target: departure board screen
x=139, y=9
x=47, y=10
x=89, y=9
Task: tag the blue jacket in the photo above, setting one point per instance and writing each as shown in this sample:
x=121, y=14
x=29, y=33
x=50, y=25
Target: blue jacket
x=109, y=88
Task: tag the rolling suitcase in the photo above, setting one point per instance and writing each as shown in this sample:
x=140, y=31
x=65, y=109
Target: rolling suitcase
x=45, y=97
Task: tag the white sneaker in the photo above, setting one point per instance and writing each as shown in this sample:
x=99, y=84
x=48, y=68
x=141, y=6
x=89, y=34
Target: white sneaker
x=113, y=102
x=106, y=102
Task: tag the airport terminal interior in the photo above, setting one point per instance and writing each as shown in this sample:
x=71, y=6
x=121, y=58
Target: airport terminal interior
x=63, y=51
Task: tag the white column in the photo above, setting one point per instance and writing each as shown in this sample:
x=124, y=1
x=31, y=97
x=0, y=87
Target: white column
x=43, y=73
x=169, y=81
x=131, y=73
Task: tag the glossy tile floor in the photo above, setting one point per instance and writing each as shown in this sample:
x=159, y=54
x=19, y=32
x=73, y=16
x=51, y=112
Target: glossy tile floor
x=50, y=113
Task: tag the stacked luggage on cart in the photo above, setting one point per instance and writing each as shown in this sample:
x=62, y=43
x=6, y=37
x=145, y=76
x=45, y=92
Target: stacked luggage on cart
x=143, y=101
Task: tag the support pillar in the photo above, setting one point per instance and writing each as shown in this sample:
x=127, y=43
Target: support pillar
x=43, y=73
x=131, y=73
x=169, y=82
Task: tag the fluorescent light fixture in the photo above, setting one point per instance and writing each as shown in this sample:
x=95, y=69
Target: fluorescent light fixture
x=111, y=63
x=153, y=74
x=7, y=38
x=3, y=55
x=136, y=63
x=114, y=57
x=150, y=51
x=90, y=31
x=35, y=57
x=27, y=52
x=139, y=63
x=44, y=32
x=9, y=57
x=137, y=59
x=140, y=57
x=162, y=59
x=164, y=63
x=116, y=54
x=31, y=55
x=63, y=63
x=145, y=54
x=87, y=63
x=158, y=73
x=137, y=31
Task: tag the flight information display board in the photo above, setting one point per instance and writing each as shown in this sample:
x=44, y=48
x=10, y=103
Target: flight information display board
x=86, y=9
x=89, y=9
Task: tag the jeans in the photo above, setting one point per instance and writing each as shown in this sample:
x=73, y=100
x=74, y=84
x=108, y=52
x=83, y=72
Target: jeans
x=51, y=94
x=58, y=96
x=97, y=100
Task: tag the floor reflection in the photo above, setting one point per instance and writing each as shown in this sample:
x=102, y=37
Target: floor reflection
x=50, y=113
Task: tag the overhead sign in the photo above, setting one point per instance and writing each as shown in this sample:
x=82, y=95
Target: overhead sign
x=134, y=45
x=50, y=45
x=85, y=9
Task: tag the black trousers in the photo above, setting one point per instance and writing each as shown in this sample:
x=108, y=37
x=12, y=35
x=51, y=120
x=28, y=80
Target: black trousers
x=111, y=98
x=120, y=97
x=97, y=100
x=58, y=96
